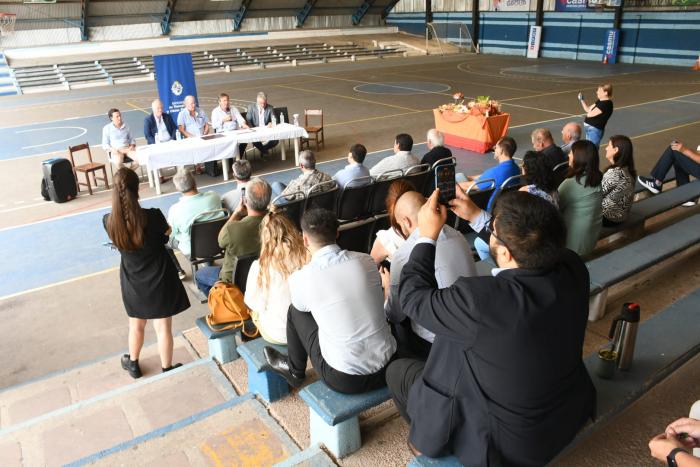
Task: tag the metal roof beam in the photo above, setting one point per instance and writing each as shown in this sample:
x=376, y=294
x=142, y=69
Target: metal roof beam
x=305, y=12
x=167, y=17
x=83, y=19
x=388, y=8
x=240, y=14
x=361, y=11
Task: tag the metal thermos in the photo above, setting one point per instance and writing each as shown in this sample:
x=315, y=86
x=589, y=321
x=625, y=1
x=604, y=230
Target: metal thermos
x=623, y=332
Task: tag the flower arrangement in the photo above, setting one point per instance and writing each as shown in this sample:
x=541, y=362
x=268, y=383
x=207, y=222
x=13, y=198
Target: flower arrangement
x=481, y=106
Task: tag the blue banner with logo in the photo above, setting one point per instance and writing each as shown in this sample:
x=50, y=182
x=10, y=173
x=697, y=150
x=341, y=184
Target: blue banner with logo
x=612, y=38
x=175, y=81
x=571, y=5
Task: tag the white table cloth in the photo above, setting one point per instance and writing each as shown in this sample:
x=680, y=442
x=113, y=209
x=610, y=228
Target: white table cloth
x=192, y=151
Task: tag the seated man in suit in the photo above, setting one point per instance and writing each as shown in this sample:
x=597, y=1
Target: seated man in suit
x=355, y=169
x=542, y=141
x=308, y=179
x=260, y=114
x=158, y=127
x=336, y=316
x=118, y=140
x=505, y=371
x=402, y=158
x=453, y=259
x=436, y=146
x=240, y=236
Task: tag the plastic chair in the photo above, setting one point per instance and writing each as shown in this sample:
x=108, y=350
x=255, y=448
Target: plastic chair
x=292, y=209
x=354, y=199
x=204, y=239
x=418, y=176
x=322, y=195
x=241, y=270
x=356, y=236
x=377, y=204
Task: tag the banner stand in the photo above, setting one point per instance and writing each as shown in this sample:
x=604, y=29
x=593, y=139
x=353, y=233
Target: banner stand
x=175, y=81
x=533, y=41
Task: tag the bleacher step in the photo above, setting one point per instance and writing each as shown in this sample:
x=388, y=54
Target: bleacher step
x=53, y=392
x=120, y=415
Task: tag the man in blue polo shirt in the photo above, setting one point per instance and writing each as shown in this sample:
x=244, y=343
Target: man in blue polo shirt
x=503, y=152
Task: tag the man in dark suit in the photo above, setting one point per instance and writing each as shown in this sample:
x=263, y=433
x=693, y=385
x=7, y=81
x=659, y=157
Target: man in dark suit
x=542, y=141
x=436, y=146
x=505, y=382
x=158, y=125
x=259, y=114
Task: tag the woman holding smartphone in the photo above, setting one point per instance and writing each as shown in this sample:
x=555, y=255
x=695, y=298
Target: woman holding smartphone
x=598, y=113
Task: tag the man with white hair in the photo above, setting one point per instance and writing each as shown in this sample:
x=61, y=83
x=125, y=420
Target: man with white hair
x=436, y=146
x=570, y=134
x=309, y=178
x=158, y=127
x=191, y=121
x=260, y=114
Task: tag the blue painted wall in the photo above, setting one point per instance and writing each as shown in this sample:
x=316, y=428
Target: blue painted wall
x=664, y=38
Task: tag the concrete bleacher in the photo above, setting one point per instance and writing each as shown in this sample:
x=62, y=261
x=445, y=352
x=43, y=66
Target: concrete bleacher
x=8, y=85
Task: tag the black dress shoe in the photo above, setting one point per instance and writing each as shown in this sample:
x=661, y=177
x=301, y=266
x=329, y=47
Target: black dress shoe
x=172, y=367
x=132, y=366
x=279, y=363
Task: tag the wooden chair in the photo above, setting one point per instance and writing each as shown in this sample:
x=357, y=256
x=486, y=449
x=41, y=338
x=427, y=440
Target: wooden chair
x=88, y=168
x=316, y=131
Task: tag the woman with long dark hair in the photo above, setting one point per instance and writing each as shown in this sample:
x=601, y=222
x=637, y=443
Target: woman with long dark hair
x=618, y=181
x=150, y=285
x=580, y=198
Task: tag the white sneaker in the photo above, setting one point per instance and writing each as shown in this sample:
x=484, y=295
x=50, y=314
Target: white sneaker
x=689, y=204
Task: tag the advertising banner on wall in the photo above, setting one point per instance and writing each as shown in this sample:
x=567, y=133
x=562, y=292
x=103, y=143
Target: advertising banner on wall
x=510, y=5
x=175, y=81
x=571, y=5
x=612, y=38
x=533, y=41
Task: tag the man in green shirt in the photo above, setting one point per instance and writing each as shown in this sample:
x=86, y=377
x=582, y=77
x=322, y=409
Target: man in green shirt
x=240, y=236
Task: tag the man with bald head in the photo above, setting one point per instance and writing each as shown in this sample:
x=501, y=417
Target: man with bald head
x=191, y=121
x=543, y=142
x=453, y=259
x=570, y=134
x=158, y=127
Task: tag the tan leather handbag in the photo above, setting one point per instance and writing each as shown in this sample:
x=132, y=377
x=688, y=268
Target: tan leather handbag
x=227, y=309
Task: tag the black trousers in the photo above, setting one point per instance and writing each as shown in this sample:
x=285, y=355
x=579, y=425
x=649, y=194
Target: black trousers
x=409, y=344
x=261, y=147
x=400, y=376
x=302, y=343
x=682, y=164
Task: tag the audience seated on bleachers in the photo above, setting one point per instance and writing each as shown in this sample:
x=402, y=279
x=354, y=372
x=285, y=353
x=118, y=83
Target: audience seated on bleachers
x=684, y=161
x=191, y=121
x=355, y=168
x=453, y=259
x=260, y=114
x=389, y=240
x=543, y=142
x=675, y=445
x=191, y=205
x=304, y=182
x=570, y=134
x=503, y=152
x=149, y=284
x=400, y=160
x=240, y=236
x=336, y=318
x=540, y=178
x=435, y=141
x=618, y=181
x=581, y=198
x=505, y=383
x=242, y=171
x=118, y=140
x=282, y=252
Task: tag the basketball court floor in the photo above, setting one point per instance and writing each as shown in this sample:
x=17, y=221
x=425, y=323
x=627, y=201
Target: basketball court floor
x=59, y=291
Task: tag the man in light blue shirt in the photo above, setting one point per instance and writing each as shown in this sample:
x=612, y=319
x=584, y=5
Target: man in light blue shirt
x=190, y=206
x=354, y=169
x=453, y=259
x=191, y=121
x=117, y=140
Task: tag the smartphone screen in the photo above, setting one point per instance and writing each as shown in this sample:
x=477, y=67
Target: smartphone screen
x=243, y=193
x=445, y=181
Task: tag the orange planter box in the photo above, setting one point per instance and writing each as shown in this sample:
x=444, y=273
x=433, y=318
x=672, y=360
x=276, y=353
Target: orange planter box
x=473, y=132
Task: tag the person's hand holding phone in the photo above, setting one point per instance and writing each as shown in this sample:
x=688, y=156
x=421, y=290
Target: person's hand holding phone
x=677, y=145
x=463, y=206
x=432, y=217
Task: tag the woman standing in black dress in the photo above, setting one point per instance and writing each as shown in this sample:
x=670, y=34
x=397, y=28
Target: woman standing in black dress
x=150, y=285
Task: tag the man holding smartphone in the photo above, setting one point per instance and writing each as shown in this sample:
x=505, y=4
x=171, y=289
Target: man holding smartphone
x=684, y=160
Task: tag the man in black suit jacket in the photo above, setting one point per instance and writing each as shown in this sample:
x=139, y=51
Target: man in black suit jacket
x=505, y=382
x=436, y=146
x=542, y=141
x=253, y=117
x=156, y=119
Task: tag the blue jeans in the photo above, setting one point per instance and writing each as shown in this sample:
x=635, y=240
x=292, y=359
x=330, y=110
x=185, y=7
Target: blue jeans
x=206, y=277
x=482, y=249
x=682, y=164
x=593, y=134
x=277, y=189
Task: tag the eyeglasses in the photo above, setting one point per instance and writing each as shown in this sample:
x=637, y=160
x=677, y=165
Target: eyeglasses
x=490, y=230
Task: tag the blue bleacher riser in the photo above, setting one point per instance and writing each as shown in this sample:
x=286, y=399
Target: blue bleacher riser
x=261, y=380
x=334, y=416
x=8, y=89
x=222, y=344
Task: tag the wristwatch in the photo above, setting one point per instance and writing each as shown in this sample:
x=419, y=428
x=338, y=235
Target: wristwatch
x=671, y=458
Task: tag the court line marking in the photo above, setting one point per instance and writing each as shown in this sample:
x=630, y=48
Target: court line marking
x=313, y=91
x=541, y=110
x=63, y=282
x=687, y=102
x=421, y=91
x=134, y=106
x=540, y=95
x=53, y=128
x=416, y=91
x=498, y=86
x=643, y=135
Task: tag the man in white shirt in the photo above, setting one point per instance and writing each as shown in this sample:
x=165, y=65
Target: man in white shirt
x=402, y=158
x=227, y=118
x=453, y=259
x=118, y=140
x=191, y=121
x=336, y=318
